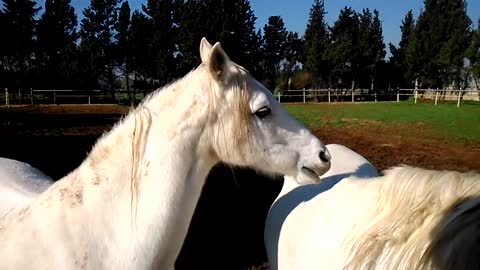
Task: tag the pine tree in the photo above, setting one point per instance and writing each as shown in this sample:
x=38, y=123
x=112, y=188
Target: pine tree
x=123, y=40
x=238, y=34
x=473, y=54
x=57, y=35
x=192, y=27
x=98, y=42
x=230, y=22
x=163, y=43
x=293, y=52
x=377, y=47
x=438, y=44
x=19, y=27
x=451, y=55
x=141, y=38
x=3, y=51
x=274, y=35
x=408, y=24
x=316, y=41
x=369, y=49
x=418, y=54
x=363, y=52
x=342, y=53
x=398, y=59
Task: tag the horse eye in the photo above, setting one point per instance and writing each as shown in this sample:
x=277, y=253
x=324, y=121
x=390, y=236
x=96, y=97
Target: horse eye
x=263, y=112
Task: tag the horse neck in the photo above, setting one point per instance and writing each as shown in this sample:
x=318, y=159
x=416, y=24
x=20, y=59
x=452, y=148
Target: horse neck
x=154, y=164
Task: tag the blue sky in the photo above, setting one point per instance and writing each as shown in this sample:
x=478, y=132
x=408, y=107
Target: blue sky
x=295, y=12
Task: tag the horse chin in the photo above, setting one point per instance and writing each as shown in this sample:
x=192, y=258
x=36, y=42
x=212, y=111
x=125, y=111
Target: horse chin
x=307, y=176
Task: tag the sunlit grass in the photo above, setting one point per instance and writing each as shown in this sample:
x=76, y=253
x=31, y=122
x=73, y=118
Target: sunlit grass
x=446, y=120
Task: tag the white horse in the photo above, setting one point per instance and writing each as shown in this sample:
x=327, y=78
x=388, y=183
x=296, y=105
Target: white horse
x=130, y=202
x=408, y=218
x=295, y=199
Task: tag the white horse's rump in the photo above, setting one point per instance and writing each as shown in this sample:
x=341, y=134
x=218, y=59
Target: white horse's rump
x=409, y=218
x=19, y=184
x=130, y=202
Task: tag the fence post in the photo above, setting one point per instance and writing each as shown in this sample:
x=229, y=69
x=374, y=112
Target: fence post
x=398, y=95
x=88, y=99
x=353, y=96
x=436, y=97
x=54, y=97
x=459, y=97
x=31, y=96
x=6, y=97
x=303, y=95
x=375, y=96
x=279, y=97
x=328, y=95
x=416, y=90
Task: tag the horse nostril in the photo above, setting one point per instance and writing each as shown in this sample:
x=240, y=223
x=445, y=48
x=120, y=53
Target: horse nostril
x=323, y=157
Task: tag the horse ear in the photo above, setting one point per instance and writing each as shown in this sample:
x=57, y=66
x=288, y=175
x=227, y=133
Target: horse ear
x=205, y=48
x=214, y=58
x=218, y=62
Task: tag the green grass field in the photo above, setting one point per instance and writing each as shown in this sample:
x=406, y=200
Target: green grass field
x=445, y=120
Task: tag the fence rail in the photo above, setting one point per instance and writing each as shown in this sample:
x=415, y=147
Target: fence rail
x=358, y=95
x=66, y=96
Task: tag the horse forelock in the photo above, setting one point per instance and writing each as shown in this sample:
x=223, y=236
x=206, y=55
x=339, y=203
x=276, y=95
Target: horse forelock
x=237, y=87
x=412, y=202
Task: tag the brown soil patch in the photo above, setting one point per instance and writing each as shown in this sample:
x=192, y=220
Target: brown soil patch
x=391, y=145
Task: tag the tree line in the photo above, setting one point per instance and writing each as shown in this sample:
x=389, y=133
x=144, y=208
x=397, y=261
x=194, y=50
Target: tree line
x=114, y=47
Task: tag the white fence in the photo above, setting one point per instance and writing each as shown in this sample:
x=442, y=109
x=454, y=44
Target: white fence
x=359, y=95
x=65, y=96
x=34, y=96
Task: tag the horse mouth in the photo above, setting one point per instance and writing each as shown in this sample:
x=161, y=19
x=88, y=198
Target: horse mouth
x=309, y=172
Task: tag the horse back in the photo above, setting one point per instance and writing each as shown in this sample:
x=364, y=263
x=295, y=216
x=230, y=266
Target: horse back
x=19, y=184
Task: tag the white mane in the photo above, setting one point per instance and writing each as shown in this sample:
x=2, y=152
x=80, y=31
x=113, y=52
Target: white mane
x=425, y=215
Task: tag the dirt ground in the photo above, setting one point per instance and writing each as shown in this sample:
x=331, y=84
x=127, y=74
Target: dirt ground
x=387, y=146
x=227, y=228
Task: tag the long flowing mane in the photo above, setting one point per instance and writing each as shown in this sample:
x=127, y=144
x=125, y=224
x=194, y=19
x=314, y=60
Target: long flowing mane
x=425, y=219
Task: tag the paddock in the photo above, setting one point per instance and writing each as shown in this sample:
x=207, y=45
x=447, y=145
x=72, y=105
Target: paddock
x=227, y=228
